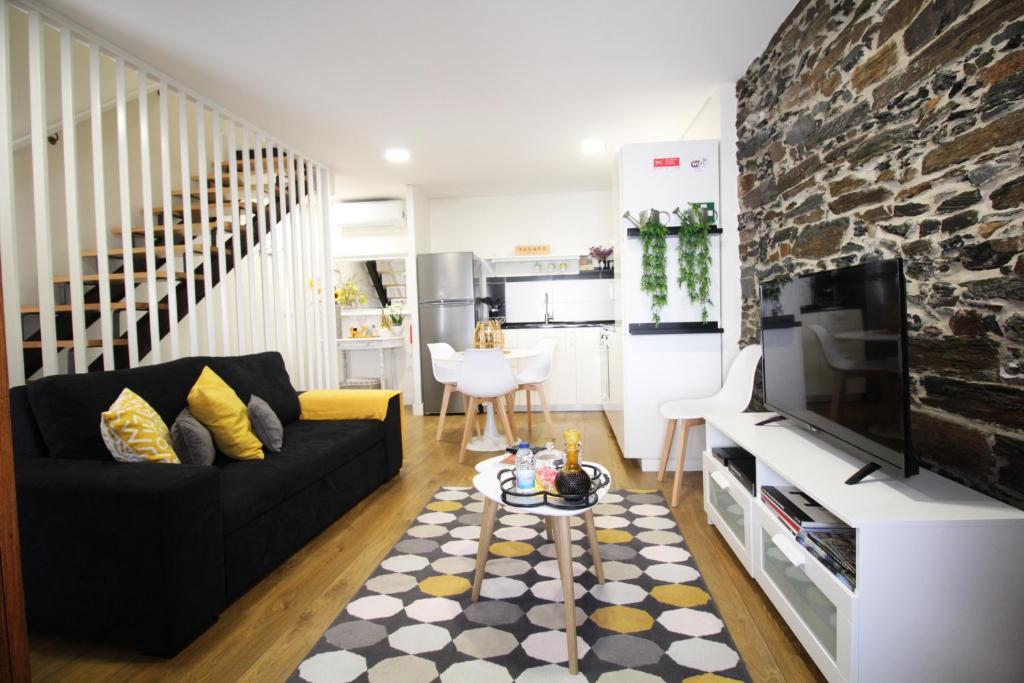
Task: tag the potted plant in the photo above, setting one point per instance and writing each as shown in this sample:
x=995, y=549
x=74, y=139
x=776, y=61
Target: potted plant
x=394, y=317
x=653, y=279
x=600, y=255
x=694, y=255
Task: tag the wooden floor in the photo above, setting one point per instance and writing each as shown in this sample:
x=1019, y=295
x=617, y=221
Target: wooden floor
x=264, y=635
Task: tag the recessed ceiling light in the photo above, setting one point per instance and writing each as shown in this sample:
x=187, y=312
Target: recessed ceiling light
x=592, y=146
x=397, y=155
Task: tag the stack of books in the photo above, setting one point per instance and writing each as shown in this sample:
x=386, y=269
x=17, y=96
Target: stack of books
x=797, y=510
x=824, y=535
x=837, y=550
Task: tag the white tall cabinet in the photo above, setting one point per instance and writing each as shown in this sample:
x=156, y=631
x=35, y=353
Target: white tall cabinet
x=681, y=358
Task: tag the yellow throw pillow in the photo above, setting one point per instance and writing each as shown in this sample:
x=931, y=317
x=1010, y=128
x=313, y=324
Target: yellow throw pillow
x=134, y=432
x=218, y=407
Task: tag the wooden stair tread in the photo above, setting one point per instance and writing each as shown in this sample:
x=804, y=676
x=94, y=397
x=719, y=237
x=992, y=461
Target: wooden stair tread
x=140, y=276
x=196, y=206
x=114, y=305
x=158, y=230
x=68, y=344
x=141, y=251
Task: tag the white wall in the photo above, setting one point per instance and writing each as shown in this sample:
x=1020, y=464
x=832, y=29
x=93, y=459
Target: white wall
x=717, y=119
x=571, y=222
x=568, y=300
x=707, y=124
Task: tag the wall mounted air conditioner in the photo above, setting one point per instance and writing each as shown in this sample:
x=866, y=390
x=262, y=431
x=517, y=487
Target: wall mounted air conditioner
x=370, y=214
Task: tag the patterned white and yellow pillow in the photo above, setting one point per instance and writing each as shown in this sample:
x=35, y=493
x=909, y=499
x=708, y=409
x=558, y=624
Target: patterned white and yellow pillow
x=134, y=432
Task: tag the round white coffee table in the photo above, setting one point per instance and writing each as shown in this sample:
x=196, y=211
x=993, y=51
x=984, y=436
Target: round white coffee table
x=557, y=522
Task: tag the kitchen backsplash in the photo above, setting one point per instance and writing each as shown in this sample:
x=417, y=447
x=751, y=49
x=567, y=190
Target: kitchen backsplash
x=568, y=300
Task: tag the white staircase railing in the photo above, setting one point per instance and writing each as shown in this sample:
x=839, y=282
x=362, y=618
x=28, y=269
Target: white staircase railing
x=132, y=143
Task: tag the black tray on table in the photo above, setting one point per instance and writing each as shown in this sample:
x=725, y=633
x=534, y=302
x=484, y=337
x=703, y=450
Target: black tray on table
x=510, y=495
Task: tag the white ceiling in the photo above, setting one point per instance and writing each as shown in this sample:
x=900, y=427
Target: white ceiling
x=490, y=96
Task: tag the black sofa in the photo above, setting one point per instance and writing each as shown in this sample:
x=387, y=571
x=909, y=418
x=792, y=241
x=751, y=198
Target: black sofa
x=150, y=554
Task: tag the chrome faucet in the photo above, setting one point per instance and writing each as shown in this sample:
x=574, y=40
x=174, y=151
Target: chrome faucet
x=548, y=316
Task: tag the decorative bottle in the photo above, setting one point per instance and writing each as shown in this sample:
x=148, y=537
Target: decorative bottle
x=572, y=480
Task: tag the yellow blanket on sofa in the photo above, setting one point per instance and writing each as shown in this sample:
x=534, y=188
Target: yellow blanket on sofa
x=348, y=404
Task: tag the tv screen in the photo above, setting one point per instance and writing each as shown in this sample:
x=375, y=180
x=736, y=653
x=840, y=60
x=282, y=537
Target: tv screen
x=835, y=358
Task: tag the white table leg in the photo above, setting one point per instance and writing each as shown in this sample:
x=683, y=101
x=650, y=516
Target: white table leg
x=383, y=379
x=491, y=441
x=563, y=549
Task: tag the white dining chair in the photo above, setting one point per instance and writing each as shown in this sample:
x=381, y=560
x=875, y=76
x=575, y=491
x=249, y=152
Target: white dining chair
x=485, y=378
x=446, y=371
x=733, y=397
x=532, y=378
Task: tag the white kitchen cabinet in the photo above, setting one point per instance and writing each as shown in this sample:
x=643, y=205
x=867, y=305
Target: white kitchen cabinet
x=612, y=388
x=560, y=388
x=587, y=351
x=575, y=379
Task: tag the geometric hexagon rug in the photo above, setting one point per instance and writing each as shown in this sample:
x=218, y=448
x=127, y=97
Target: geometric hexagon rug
x=413, y=622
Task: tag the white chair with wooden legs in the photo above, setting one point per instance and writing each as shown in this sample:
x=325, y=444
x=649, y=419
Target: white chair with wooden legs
x=446, y=371
x=733, y=397
x=532, y=379
x=485, y=378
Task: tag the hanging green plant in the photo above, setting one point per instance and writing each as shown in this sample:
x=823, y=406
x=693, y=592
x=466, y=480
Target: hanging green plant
x=653, y=279
x=694, y=254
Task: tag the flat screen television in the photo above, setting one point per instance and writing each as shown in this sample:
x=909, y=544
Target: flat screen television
x=835, y=359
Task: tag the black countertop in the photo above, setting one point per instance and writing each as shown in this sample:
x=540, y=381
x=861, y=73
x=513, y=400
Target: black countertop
x=558, y=324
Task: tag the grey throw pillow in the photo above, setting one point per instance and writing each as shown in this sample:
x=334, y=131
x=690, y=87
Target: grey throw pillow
x=191, y=440
x=266, y=424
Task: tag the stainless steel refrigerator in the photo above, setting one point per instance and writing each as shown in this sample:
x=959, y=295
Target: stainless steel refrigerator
x=447, y=284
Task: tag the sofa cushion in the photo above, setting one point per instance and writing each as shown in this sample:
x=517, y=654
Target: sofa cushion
x=310, y=451
x=67, y=407
x=265, y=424
x=133, y=432
x=263, y=374
x=218, y=407
x=191, y=440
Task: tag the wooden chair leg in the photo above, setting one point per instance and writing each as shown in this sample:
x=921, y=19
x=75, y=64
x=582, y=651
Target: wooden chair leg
x=504, y=418
x=477, y=419
x=544, y=406
x=470, y=409
x=670, y=431
x=677, y=483
x=510, y=404
x=444, y=410
x=529, y=411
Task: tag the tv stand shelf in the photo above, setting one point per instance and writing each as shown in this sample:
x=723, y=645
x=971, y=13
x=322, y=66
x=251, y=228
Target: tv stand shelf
x=940, y=587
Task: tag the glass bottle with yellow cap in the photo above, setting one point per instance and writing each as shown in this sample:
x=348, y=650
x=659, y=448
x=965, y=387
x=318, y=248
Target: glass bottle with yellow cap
x=572, y=480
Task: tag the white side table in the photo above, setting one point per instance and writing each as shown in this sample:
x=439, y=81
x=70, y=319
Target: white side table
x=557, y=519
x=382, y=345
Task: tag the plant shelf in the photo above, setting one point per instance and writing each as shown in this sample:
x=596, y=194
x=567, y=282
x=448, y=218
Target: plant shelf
x=673, y=231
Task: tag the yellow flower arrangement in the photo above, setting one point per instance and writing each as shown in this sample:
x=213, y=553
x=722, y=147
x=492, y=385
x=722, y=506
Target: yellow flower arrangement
x=348, y=294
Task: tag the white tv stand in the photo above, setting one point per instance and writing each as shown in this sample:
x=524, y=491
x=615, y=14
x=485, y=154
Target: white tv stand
x=940, y=568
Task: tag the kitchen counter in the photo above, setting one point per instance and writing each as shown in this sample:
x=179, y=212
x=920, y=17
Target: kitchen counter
x=556, y=324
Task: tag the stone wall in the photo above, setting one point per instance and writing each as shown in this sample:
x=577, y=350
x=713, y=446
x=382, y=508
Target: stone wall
x=878, y=128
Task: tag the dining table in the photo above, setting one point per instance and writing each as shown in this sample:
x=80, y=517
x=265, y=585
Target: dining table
x=492, y=441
